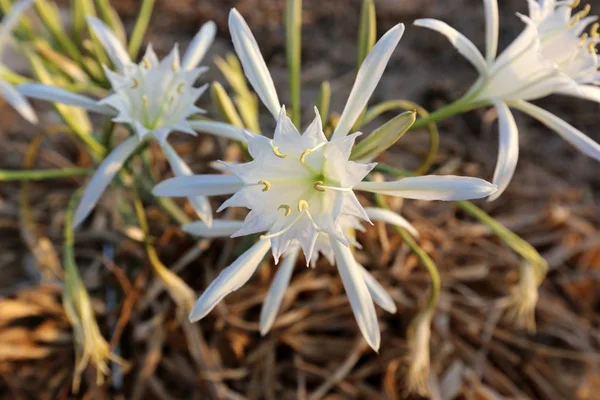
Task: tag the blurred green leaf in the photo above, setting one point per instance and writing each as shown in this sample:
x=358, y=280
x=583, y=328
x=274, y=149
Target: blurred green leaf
x=223, y=102
x=293, y=31
x=383, y=137
x=141, y=25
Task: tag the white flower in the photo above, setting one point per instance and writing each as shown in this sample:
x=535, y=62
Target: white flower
x=12, y=96
x=153, y=97
x=300, y=187
x=551, y=56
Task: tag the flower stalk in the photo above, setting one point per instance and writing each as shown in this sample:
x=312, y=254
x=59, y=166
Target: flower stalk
x=293, y=33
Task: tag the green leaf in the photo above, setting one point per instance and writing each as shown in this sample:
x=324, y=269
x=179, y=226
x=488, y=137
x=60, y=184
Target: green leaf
x=323, y=101
x=220, y=97
x=383, y=137
x=293, y=33
x=367, y=30
x=141, y=25
x=111, y=18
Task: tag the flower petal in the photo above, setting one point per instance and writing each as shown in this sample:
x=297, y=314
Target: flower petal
x=230, y=279
x=19, y=103
x=367, y=78
x=117, y=54
x=572, y=135
x=198, y=185
x=201, y=204
x=458, y=40
x=491, y=29
x=390, y=217
x=58, y=95
x=103, y=176
x=432, y=187
x=586, y=92
x=358, y=294
x=199, y=46
x=219, y=129
x=219, y=228
x=508, y=153
x=380, y=296
x=277, y=289
x=254, y=65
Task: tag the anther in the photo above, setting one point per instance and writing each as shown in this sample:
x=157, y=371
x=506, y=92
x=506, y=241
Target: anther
x=592, y=47
x=278, y=153
x=304, y=154
x=174, y=66
x=319, y=186
x=266, y=183
x=302, y=205
x=180, y=87
x=594, y=30
x=136, y=83
x=147, y=62
x=575, y=3
x=288, y=209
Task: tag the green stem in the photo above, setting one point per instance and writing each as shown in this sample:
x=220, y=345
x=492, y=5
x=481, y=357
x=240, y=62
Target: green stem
x=38, y=175
x=460, y=106
x=139, y=30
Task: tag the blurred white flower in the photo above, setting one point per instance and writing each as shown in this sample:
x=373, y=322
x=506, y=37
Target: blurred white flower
x=7, y=91
x=552, y=55
x=300, y=187
x=153, y=97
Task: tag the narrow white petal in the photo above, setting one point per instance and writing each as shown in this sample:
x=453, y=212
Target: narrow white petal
x=367, y=78
x=390, y=217
x=432, y=187
x=508, y=153
x=199, y=46
x=19, y=103
x=358, y=294
x=254, y=65
x=12, y=18
x=572, y=135
x=458, y=40
x=586, y=92
x=198, y=185
x=380, y=296
x=201, y=204
x=230, y=279
x=219, y=228
x=58, y=95
x=276, y=292
x=103, y=176
x=117, y=54
x=491, y=29
x=218, y=129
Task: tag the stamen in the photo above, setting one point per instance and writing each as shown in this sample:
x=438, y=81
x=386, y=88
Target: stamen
x=592, y=47
x=147, y=62
x=180, y=87
x=336, y=188
x=302, y=205
x=581, y=14
x=319, y=186
x=278, y=153
x=288, y=209
x=136, y=83
x=575, y=3
x=594, y=30
x=583, y=39
x=174, y=66
x=266, y=183
x=304, y=154
x=145, y=101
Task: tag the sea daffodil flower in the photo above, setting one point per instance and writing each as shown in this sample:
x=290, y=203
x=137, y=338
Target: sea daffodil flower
x=299, y=187
x=153, y=98
x=552, y=55
x=7, y=91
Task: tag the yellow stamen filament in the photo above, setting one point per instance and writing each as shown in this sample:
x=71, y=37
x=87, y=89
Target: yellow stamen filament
x=278, y=153
x=304, y=154
x=180, y=87
x=575, y=3
x=592, y=47
x=288, y=209
x=266, y=183
x=136, y=83
x=145, y=100
x=174, y=66
x=302, y=205
x=583, y=39
x=319, y=186
x=594, y=30
x=147, y=62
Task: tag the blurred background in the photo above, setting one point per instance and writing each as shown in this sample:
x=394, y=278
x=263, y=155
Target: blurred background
x=314, y=350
